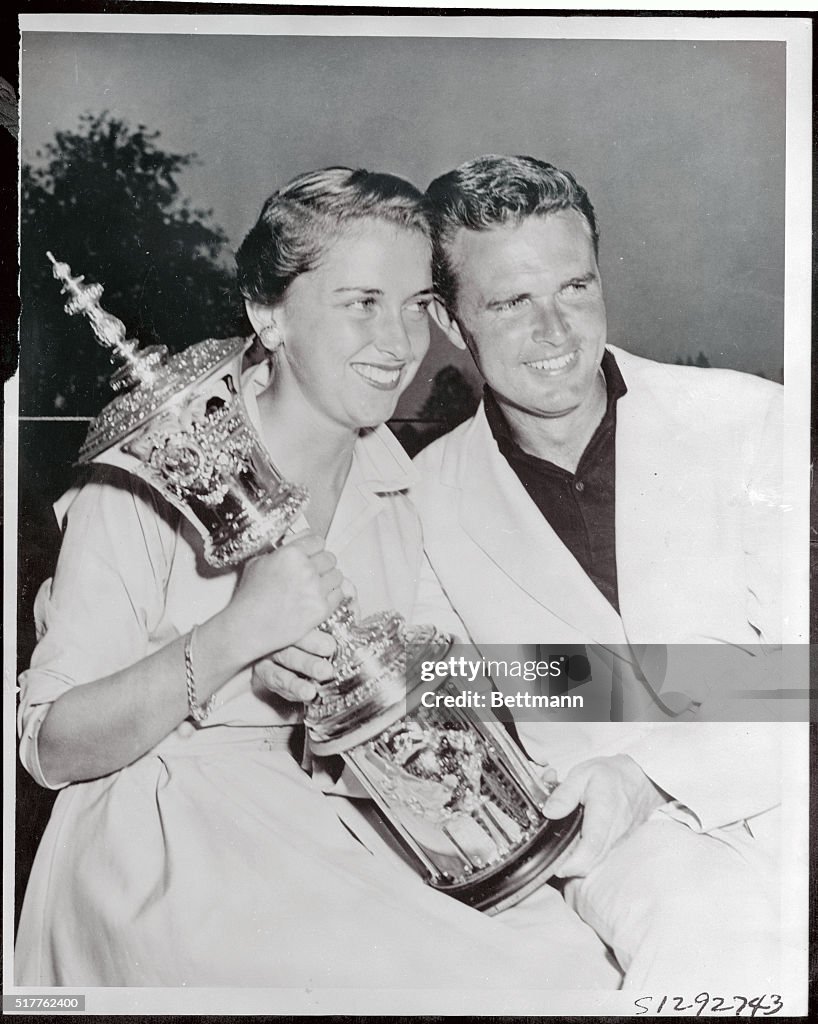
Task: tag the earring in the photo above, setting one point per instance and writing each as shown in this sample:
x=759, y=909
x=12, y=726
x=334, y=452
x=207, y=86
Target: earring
x=270, y=337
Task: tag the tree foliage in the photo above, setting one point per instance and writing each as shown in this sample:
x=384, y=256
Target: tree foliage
x=105, y=199
x=700, y=360
x=450, y=401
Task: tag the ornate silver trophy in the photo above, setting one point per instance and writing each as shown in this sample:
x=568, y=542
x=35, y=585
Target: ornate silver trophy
x=453, y=786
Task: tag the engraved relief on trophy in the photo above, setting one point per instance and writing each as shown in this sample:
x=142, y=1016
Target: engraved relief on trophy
x=442, y=781
x=197, y=446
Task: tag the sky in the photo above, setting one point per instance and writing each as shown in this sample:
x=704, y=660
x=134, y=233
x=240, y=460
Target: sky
x=679, y=141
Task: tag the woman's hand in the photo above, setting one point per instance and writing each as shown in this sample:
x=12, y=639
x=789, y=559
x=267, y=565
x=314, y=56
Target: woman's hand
x=281, y=596
x=293, y=672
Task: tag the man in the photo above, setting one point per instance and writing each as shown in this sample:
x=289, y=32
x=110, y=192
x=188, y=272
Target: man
x=602, y=499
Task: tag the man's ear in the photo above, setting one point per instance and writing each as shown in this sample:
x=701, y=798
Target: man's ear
x=447, y=323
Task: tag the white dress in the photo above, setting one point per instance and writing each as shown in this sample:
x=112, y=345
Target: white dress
x=215, y=859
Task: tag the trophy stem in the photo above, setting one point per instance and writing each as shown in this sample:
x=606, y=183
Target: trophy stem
x=373, y=662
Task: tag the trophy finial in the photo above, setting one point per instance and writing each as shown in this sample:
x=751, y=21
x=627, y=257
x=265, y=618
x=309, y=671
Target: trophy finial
x=139, y=365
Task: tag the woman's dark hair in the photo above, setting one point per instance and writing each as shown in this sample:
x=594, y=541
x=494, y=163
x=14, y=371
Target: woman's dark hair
x=297, y=221
x=493, y=190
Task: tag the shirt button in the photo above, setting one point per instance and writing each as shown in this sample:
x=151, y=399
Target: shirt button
x=579, y=486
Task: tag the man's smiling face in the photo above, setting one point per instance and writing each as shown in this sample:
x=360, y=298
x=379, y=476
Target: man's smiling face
x=530, y=307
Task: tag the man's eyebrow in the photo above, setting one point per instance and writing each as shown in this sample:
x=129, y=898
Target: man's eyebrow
x=589, y=275
x=511, y=297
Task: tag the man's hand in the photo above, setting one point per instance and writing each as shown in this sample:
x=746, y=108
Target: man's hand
x=293, y=672
x=617, y=797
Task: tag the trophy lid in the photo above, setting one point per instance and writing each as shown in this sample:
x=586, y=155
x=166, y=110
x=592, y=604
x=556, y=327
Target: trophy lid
x=148, y=378
x=170, y=379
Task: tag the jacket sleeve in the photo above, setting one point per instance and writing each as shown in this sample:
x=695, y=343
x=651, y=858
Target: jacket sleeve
x=725, y=764
x=718, y=772
x=756, y=680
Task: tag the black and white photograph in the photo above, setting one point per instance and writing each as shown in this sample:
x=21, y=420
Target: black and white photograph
x=407, y=515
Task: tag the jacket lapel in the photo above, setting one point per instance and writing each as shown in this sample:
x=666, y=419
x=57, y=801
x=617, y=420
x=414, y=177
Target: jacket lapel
x=648, y=503
x=497, y=513
x=637, y=489
x=650, y=498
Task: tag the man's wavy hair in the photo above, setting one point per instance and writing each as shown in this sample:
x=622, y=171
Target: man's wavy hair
x=490, y=191
x=300, y=219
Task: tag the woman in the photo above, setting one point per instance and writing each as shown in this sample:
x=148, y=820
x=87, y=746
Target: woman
x=201, y=853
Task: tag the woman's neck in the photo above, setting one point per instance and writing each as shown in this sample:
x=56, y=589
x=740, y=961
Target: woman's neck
x=307, y=449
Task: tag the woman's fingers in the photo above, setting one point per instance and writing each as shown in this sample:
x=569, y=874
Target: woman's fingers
x=323, y=561
x=311, y=666
x=293, y=672
x=317, y=642
x=332, y=580
x=282, y=595
x=283, y=681
x=325, y=564
x=310, y=543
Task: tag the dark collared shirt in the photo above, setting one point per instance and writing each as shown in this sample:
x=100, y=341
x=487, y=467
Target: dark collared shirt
x=579, y=506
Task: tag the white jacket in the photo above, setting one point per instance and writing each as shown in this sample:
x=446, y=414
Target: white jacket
x=698, y=542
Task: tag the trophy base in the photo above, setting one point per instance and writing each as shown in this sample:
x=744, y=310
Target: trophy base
x=531, y=867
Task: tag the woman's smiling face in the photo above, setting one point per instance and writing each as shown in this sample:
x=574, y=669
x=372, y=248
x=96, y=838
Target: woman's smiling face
x=355, y=328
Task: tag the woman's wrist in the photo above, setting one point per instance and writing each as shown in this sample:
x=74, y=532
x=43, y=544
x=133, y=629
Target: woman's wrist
x=235, y=645
x=199, y=712
x=218, y=654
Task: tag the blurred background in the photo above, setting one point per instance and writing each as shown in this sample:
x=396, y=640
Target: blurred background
x=145, y=158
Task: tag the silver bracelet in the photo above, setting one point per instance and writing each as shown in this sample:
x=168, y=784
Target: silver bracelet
x=197, y=712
